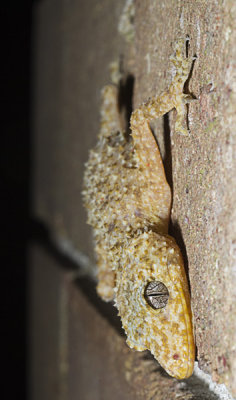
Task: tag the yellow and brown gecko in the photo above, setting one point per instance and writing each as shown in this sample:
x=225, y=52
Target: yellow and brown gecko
x=128, y=201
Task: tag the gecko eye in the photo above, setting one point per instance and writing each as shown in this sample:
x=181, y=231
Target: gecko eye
x=156, y=294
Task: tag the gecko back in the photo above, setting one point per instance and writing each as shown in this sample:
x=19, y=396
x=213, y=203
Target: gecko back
x=128, y=201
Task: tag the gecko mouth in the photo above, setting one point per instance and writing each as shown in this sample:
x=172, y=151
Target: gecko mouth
x=188, y=366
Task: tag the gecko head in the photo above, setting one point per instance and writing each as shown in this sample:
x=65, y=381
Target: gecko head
x=153, y=302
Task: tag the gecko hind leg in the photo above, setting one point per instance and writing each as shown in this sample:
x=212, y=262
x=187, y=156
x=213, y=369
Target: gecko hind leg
x=109, y=112
x=116, y=102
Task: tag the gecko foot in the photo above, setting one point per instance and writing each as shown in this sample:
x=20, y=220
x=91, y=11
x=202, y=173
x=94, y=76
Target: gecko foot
x=183, y=66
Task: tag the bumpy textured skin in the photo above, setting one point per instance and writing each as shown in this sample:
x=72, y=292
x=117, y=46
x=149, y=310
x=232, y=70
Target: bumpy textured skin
x=128, y=202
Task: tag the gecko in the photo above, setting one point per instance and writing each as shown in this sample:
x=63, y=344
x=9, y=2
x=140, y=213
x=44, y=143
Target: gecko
x=128, y=200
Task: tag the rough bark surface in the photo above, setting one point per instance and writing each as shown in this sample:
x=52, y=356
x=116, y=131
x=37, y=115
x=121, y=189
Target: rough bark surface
x=74, y=45
x=203, y=164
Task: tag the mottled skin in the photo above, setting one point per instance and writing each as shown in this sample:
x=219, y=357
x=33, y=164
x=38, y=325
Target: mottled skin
x=128, y=201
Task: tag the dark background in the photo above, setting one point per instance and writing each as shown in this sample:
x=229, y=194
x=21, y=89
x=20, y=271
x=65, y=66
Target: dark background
x=15, y=192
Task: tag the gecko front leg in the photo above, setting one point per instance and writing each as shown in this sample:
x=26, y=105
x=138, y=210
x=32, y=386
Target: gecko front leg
x=173, y=97
x=128, y=201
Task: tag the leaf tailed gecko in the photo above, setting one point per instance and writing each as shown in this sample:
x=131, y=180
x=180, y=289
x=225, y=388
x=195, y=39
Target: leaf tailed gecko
x=128, y=201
